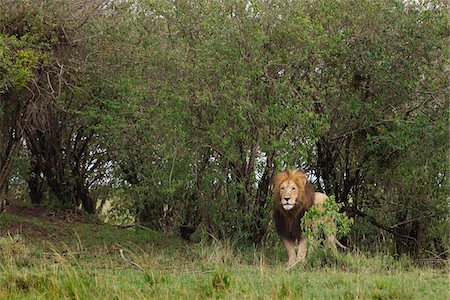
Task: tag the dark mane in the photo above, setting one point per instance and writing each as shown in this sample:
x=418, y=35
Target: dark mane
x=287, y=223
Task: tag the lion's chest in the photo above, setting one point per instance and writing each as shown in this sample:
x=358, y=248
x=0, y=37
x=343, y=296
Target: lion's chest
x=288, y=226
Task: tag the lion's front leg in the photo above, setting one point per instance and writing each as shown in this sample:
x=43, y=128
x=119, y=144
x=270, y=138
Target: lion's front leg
x=301, y=254
x=290, y=248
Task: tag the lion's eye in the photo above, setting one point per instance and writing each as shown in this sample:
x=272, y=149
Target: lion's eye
x=293, y=189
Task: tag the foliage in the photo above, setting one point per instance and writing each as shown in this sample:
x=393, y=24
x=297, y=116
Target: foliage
x=218, y=125
x=181, y=112
x=18, y=61
x=385, y=95
x=20, y=58
x=47, y=101
x=322, y=221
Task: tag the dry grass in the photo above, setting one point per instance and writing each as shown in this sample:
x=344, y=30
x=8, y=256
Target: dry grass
x=85, y=263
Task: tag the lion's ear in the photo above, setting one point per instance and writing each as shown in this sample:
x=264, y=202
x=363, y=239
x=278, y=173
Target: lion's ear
x=300, y=180
x=276, y=186
x=277, y=181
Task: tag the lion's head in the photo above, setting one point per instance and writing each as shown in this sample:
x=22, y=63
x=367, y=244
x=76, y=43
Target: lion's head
x=292, y=192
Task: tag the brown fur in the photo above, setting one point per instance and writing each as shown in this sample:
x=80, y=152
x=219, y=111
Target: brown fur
x=287, y=223
x=292, y=189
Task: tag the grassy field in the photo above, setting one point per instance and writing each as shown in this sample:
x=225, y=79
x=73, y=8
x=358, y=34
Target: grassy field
x=48, y=254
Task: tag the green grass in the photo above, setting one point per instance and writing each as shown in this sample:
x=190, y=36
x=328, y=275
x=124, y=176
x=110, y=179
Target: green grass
x=85, y=263
x=233, y=282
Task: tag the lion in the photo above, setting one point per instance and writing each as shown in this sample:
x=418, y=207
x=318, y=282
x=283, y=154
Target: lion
x=294, y=196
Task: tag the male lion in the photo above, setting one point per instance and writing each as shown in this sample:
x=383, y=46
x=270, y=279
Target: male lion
x=294, y=195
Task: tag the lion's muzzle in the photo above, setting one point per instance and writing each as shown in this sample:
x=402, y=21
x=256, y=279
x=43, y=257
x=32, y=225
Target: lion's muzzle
x=287, y=204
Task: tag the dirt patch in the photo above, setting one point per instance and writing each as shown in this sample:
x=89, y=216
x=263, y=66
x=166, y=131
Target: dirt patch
x=25, y=229
x=50, y=214
x=42, y=223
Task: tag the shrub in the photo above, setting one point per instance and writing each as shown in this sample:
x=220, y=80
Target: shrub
x=323, y=221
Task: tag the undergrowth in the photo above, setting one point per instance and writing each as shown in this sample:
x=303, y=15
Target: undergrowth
x=94, y=261
x=322, y=221
x=206, y=270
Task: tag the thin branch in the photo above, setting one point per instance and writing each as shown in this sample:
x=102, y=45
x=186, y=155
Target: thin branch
x=438, y=256
x=129, y=261
x=374, y=221
x=412, y=220
x=60, y=78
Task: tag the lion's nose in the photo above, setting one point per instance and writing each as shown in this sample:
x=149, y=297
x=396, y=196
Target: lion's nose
x=287, y=199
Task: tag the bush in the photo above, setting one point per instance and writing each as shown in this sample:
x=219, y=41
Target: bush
x=323, y=221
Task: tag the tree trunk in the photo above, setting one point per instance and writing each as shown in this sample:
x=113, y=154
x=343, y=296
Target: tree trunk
x=36, y=183
x=87, y=203
x=191, y=219
x=59, y=154
x=261, y=204
x=410, y=238
x=5, y=173
x=261, y=201
x=197, y=210
x=12, y=104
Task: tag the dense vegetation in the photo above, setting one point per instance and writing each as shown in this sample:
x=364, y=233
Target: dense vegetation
x=176, y=114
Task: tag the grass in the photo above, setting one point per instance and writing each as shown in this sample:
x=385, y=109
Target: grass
x=85, y=263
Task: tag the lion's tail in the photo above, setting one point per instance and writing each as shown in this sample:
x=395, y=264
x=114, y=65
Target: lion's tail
x=340, y=245
x=335, y=241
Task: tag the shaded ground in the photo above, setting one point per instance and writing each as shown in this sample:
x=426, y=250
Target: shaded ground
x=38, y=222
x=51, y=214
x=64, y=253
x=57, y=226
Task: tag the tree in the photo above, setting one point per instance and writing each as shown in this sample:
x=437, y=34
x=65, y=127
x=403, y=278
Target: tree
x=235, y=91
x=220, y=105
x=19, y=61
x=382, y=88
x=50, y=115
x=188, y=108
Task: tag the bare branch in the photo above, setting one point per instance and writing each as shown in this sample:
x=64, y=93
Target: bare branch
x=129, y=261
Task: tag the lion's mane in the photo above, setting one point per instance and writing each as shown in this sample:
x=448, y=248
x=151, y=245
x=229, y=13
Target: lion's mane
x=287, y=223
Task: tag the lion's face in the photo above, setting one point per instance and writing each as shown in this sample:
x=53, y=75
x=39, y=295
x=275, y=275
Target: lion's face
x=289, y=191
x=289, y=194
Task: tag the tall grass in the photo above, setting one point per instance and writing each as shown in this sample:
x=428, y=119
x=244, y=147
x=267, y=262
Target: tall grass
x=205, y=270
